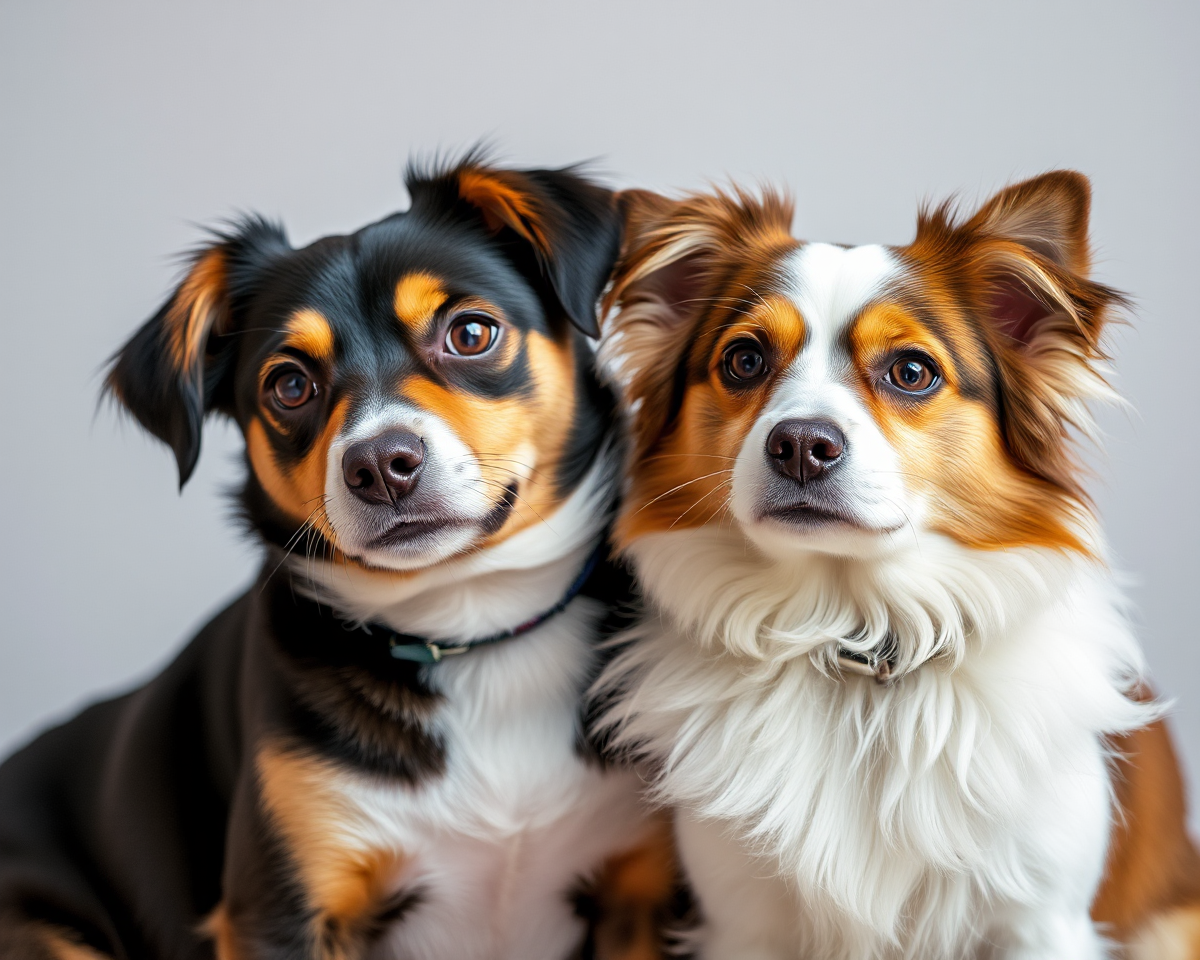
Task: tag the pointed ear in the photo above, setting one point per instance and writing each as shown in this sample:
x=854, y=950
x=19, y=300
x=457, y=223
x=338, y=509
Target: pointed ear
x=1047, y=215
x=169, y=373
x=663, y=284
x=1022, y=261
x=569, y=222
x=1033, y=238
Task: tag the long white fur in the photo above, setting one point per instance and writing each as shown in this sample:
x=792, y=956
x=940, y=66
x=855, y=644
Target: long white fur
x=961, y=811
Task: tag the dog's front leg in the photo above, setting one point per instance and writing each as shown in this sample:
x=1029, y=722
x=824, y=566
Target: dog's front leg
x=294, y=886
x=748, y=912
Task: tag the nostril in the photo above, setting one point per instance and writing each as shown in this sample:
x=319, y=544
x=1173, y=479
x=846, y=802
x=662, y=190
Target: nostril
x=364, y=478
x=402, y=465
x=786, y=451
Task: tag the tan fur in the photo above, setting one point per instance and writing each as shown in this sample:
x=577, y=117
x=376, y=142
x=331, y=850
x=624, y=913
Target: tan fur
x=345, y=880
x=198, y=309
x=63, y=947
x=992, y=482
x=1046, y=380
x=309, y=332
x=504, y=202
x=632, y=889
x=725, y=245
x=951, y=447
x=521, y=439
x=221, y=930
x=298, y=490
x=418, y=297
x=1174, y=935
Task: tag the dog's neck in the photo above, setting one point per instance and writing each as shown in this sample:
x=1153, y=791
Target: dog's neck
x=933, y=600
x=481, y=593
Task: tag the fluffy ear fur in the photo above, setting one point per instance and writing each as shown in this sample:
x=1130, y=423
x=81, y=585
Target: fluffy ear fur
x=170, y=372
x=569, y=223
x=1023, y=261
x=668, y=274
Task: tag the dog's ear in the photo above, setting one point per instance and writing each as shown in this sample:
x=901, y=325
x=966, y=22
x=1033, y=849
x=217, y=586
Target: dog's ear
x=1023, y=260
x=170, y=373
x=570, y=223
x=1031, y=244
x=663, y=284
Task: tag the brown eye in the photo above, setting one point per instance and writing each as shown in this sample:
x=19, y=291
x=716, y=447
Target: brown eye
x=472, y=335
x=913, y=375
x=293, y=388
x=744, y=361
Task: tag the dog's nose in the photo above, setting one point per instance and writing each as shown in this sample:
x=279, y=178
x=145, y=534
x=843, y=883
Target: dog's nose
x=804, y=449
x=384, y=468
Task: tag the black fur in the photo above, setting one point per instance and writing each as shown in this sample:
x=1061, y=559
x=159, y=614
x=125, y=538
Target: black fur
x=125, y=827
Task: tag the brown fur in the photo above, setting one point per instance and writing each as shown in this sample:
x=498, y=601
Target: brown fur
x=298, y=490
x=505, y=202
x=1000, y=301
x=631, y=893
x=22, y=939
x=690, y=281
x=198, y=310
x=1153, y=867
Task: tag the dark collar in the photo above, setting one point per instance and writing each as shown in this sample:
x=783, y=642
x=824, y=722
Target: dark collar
x=407, y=646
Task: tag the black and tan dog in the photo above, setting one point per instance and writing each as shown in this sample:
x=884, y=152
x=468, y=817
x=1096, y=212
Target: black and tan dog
x=377, y=750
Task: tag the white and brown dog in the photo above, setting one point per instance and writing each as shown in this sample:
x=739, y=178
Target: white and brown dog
x=884, y=657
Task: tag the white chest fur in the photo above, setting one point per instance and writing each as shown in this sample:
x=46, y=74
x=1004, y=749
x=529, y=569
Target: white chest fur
x=495, y=846
x=966, y=806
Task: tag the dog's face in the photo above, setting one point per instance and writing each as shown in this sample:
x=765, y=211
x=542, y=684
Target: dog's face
x=408, y=393
x=836, y=399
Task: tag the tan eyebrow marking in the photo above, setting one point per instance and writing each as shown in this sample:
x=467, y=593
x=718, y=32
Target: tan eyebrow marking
x=418, y=296
x=309, y=331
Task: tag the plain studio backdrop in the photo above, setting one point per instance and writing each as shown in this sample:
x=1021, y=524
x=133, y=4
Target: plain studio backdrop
x=126, y=126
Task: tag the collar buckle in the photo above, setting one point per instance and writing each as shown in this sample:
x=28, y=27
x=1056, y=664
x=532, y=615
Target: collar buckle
x=867, y=664
x=424, y=652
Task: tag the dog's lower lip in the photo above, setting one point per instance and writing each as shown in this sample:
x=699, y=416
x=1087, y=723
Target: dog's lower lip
x=406, y=530
x=808, y=514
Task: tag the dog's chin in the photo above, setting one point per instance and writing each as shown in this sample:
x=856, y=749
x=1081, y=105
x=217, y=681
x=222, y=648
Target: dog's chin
x=788, y=532
x=414, y=543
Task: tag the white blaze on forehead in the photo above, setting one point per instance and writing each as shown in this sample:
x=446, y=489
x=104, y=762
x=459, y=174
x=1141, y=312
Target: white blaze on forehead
x=830, y=285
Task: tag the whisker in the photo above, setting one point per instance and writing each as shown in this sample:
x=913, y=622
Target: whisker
x=686, y=483
x=664, y=456
x=294, y=540
x=720, y=485
x=505, y=488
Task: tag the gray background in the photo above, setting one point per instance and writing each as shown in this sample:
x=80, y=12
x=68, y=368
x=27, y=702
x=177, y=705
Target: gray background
x=124, y=125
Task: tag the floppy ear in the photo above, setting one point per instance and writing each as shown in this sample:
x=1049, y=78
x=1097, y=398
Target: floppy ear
x=570, y=223
x=662, y=285
x=1024, y=259
x=169, y=373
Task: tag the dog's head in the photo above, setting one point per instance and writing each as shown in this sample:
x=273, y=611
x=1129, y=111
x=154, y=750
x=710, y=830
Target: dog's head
x=410, y=392
x=829, y=399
